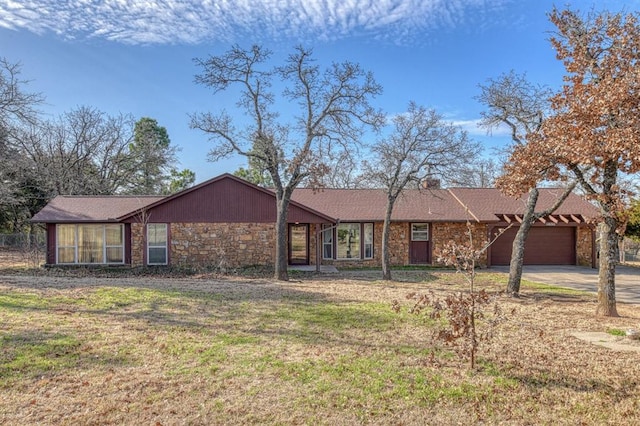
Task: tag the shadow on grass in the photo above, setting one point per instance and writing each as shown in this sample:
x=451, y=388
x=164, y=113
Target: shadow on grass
x=35, y=353
x=540, y=378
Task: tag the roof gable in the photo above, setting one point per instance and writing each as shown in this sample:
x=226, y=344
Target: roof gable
x=225, y=198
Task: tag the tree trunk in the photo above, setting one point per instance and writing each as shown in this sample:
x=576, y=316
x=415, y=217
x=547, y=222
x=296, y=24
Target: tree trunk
x=282, y=261
x=517, y=252
x=386, y=262
x=607, y=272
x=608, y=243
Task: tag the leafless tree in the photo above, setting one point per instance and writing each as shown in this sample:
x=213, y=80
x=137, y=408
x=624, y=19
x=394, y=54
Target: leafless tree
x=480, y=173
x=18, y=108
x=420, y=146
x=333, y=110
x=16, y=105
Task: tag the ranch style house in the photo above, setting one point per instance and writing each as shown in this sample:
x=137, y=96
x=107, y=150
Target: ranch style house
x=229, y=222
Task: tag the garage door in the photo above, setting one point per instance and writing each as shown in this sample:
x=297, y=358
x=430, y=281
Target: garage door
x=547, y=245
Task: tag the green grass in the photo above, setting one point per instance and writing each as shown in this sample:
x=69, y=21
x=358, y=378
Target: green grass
x=551, y=289
x=245, y=352
x=616, y=332
x=30, y=354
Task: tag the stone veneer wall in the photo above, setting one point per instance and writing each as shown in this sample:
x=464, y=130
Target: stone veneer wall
x=222, y=244
x=584, y=244
x=243, y=244
x=137, y=244
x=443, y=233
x=212, y=244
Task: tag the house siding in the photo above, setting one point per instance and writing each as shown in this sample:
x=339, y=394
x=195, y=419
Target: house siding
x=138, y=247
x=51, y=243
x=585, y=246
x=443, y=233
x=223, y=201
x=222, y=245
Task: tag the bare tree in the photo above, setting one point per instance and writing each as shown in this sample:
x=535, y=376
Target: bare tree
x=521, y=106
x=18, y=108
x=333, y=110
x=16, y=105
x=82, y=152
x=480, y=173
x=422, y=145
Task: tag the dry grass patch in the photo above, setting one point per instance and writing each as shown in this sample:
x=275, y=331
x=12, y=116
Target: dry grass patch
x=145, y=350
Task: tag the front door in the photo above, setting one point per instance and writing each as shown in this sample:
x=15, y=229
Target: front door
x=298, y=244
x=419, y=247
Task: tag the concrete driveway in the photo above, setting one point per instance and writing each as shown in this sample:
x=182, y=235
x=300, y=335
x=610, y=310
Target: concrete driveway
x=582, y=278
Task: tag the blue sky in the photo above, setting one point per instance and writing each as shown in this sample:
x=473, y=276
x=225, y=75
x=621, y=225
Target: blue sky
x=135, y=56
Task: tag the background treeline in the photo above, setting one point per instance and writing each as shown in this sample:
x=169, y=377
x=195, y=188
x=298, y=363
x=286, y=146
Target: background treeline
x=81, y=152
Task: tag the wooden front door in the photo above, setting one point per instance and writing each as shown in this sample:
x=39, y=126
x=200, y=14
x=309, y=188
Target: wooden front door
x=419, y=247
x=298, y=244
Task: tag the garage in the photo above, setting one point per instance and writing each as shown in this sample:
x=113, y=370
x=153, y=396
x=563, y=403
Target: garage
x=546, y=245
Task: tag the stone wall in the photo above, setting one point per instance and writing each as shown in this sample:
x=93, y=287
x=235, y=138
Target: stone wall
x=243, y=244
x=443, y=233
x=226, y=245
x=584, y=244
x=137, y=244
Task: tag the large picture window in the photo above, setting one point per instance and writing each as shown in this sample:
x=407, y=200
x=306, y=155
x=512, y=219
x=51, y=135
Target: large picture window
x=348, y=241
x=90, y=243
x=157, y=244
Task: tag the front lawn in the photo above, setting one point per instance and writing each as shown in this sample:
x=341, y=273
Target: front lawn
x=330, y=350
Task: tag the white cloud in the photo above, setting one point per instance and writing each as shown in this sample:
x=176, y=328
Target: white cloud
x=193, y=21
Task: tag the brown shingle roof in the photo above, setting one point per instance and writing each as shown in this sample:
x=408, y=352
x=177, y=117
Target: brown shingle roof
x=486, y=203
x=361, y=205
x=65, y=208
x=357, y=205
x=458, y=204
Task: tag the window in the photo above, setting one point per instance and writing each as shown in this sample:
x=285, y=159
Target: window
x=419, y=232
x=66, y=240
x=352, y=241
x=348, y=241
x=327, y=243
x=114, y=243
x=157, y=244
x=368, y=240
x=90, y=243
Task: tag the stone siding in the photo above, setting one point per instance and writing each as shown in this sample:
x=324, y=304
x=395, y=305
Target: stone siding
x=138, y=245
x=243, y=244
x=227, y=245
x=443, y=233
x=584, y=244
